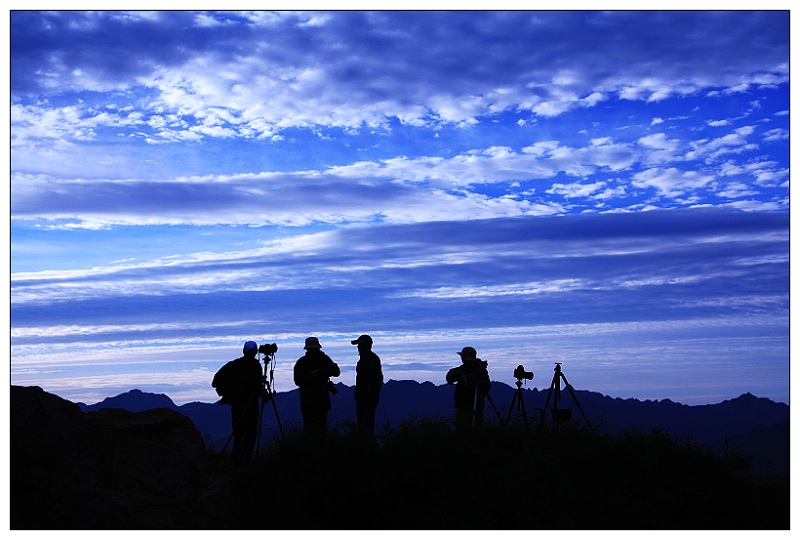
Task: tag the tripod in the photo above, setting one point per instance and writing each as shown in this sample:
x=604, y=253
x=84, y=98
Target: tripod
x=519, y=401
x=561, y=414
x=268, y=389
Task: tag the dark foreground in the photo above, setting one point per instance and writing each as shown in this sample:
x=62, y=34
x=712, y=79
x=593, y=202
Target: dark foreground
x=424, y=476
x=114, y=469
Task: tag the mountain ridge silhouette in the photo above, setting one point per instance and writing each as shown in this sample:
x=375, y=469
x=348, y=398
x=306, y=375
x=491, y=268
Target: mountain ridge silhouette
x=747, y=424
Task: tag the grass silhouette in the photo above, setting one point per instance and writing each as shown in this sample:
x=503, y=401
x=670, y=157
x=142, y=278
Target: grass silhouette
x=421, y=474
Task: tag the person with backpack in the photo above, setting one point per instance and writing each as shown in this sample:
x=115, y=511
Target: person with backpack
x=240, y=384
x=472, y=385
x=369, y=381
x=312, y=374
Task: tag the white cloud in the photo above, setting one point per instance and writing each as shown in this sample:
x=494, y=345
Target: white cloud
x=576, y=190
x=671, y=182
x=267, y=81
x=778, y=134
x=736, y=190
x=733, y=143
x=611, y=193
x=516, y=289
x=658, y=149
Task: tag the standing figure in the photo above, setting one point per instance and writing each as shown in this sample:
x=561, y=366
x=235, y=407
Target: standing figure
x=369, y=381
x=312, y=374
x=472, y=384
x=239, y=382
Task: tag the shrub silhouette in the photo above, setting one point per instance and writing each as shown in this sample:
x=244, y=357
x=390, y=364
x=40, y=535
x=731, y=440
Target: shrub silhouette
x=424, y=475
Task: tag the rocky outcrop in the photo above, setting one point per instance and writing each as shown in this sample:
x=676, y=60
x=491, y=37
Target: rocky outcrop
x=111, y=469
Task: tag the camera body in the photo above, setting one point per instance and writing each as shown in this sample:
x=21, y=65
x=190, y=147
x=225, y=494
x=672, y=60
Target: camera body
x=520, y=373
x=268, y=348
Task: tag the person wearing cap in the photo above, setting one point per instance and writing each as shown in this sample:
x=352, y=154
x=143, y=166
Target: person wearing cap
x=369, y=381
x=239, y=382
x=472, y=384
x=312, y=374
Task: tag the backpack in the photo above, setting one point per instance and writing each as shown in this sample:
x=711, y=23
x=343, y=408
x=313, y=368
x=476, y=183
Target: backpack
x=224, y=382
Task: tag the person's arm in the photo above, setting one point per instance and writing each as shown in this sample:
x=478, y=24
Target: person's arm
x=454, y=375
x=332, y=370
x=376, y=376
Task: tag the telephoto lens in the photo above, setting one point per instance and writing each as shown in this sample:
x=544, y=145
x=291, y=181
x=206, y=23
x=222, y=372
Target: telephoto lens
x=268, y=348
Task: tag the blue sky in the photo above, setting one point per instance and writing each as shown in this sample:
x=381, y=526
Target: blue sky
x=609, y=190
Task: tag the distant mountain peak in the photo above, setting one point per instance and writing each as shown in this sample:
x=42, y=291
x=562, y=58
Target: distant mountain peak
x=135, y=401
x=747, y=397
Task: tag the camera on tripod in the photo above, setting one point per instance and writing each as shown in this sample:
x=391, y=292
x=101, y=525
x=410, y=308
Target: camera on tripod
x=268, y=348
x=520, y=373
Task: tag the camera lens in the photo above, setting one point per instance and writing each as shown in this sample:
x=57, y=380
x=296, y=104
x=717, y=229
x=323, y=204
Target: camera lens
x=520, y=373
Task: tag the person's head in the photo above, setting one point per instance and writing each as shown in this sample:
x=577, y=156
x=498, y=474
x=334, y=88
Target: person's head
x=312, y=343
x=468, y=354
x=250, y=349
x=364, y=343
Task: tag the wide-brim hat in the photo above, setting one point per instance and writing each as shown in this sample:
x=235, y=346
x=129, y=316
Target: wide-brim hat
x=312, y=343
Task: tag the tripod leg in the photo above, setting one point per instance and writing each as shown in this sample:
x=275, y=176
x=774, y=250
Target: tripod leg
x=572, y=393
x=277, y=418
x=511, y=407
x=221, y=452
x=522, y=406
x=264, y=385
x=491, y=402
x=260, y=422
x=549, y=393
x=475, y=407
x=268, y=380
x=520, y=402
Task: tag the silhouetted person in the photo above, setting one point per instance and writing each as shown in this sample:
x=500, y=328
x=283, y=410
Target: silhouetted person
x=311, y=375
x=239, y=382
x=471, y=375
x=369, y=380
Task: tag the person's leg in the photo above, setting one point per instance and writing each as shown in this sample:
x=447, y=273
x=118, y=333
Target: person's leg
x=369, y=421
x=249, y=433
x=237, y=452
x=361, y=417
